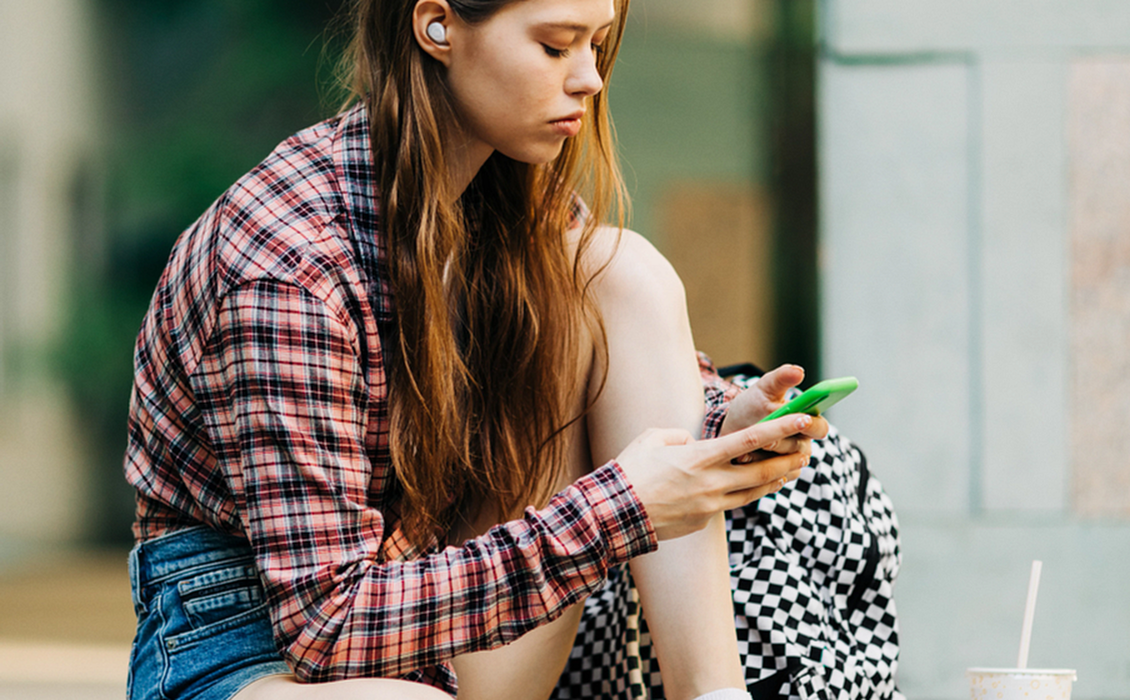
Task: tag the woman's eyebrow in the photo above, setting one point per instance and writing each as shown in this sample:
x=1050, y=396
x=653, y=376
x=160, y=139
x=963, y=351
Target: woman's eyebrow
x=573, y=26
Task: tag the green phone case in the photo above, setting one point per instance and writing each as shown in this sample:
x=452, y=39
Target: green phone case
x=817, y=399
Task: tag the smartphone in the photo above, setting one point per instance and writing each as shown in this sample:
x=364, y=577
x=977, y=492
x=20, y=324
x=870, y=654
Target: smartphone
x=817, y=399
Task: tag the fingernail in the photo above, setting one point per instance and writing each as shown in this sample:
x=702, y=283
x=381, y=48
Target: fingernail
x=804, y=459
x=803, y=421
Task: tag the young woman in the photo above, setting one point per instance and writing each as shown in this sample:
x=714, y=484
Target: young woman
x=402, y=401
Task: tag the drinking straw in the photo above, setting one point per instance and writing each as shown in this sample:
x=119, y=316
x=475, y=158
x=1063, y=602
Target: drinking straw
x=1029, y=613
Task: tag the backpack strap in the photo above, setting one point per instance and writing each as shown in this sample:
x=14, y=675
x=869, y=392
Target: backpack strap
x=867, y=576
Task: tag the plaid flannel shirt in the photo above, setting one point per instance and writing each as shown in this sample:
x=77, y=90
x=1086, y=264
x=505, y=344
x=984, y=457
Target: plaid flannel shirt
x=260, y=409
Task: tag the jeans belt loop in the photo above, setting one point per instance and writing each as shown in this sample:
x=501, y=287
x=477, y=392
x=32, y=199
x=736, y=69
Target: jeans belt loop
x=135, y=580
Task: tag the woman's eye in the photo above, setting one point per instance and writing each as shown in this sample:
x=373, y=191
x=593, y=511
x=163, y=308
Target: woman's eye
x=555, y=53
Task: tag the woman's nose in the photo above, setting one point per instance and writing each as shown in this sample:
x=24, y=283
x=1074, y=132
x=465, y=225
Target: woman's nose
x=585, y=78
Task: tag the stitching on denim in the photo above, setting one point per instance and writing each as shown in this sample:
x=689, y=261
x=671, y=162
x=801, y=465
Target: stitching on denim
x=166, y=666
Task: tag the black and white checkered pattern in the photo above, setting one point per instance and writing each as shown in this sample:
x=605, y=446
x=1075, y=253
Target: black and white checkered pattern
x=812, y=568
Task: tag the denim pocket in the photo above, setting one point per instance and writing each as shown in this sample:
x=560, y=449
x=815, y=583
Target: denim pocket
x=210, y=604
x=204, y=628
x=218, y=595
x=215, y=660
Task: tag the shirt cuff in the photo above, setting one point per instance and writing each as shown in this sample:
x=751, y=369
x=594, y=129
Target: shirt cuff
x=619, y=514
x=712, y=421
x=717, y=394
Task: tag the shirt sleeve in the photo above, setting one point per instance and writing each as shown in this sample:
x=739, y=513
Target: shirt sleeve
x=718, y=393
x=290, y=424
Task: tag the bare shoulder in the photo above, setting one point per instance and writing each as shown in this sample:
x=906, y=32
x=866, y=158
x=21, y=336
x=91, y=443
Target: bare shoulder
x=629, y=269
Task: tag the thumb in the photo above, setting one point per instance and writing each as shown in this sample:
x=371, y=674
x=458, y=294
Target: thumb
x=773, y=385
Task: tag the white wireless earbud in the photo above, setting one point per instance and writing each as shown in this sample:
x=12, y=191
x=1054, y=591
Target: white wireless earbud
x=437, y=32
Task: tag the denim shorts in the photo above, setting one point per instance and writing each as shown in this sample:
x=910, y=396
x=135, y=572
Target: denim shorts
x=203, y=632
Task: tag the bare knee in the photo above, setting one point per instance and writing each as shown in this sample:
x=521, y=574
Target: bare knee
x=651, y=378
x=637, y=281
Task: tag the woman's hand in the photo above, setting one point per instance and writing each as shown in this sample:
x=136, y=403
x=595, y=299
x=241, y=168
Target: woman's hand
x=682, y=483
x=765, y=396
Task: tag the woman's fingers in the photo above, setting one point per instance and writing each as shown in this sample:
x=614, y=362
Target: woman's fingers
x=754, y=438
x=797, y=443
x=782, y=447
x=765, y=396
x=683, y=483
x=737, y=499
x=818, y=430
x=765, y=472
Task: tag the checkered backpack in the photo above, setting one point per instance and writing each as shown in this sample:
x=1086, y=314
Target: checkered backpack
x=811, y=569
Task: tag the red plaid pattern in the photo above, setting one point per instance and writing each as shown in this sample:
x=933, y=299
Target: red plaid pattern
x=260, y=409
x=719, y=393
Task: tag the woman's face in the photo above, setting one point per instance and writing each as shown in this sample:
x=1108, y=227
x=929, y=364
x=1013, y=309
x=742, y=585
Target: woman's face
x=521, y=79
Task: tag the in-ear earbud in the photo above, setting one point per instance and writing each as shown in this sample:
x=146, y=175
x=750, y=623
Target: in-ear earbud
x=437, y=32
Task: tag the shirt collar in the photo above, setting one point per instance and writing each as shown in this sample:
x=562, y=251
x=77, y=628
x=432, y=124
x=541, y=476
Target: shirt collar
x=353, y=161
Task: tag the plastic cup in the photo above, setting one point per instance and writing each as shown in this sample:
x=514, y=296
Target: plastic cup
x=1020, y=683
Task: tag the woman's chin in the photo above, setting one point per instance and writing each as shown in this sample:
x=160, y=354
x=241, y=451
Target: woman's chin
x=537, y=156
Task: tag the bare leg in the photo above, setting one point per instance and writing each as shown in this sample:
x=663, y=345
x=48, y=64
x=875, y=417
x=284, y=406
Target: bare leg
x=527, y=669
x=653, y=381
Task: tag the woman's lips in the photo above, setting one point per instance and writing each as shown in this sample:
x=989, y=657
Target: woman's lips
x=569, y=126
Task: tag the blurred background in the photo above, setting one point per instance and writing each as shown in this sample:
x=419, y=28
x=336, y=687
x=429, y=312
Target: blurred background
x=931, y=196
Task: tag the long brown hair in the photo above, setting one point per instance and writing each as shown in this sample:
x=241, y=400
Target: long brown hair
x=489, y=325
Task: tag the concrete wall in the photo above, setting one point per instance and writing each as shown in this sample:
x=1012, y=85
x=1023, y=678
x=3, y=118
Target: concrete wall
x=975, y=165
x=48, y=144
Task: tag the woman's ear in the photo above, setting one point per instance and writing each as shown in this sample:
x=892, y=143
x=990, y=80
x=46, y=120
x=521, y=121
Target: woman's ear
x=430, y=22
